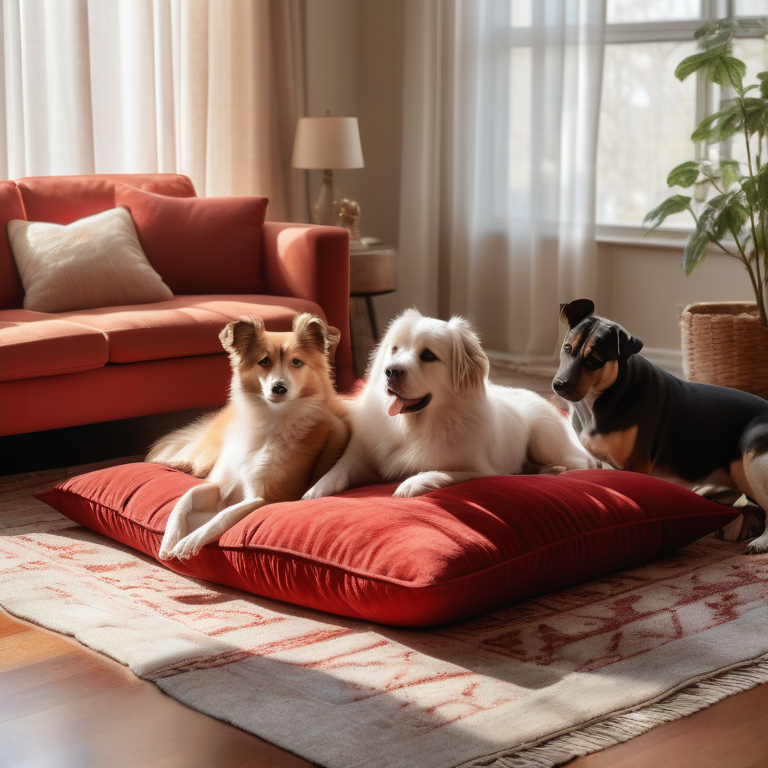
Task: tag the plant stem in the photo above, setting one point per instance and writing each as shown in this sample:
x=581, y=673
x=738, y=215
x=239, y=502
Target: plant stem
x=757, y=284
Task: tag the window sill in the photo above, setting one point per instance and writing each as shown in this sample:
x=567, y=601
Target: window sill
x=669, y=239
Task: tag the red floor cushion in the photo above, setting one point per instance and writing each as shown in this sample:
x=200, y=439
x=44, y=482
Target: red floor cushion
x=446, y=556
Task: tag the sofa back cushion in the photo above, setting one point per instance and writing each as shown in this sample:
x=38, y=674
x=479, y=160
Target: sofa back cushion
x=64, y=199
x=201, y=244
x=11, y=292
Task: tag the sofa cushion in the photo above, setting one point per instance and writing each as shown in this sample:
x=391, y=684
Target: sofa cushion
x=184, y=325
x=200, y=244
x=64, y=199
x=445, y=556
x=92, y=262
x=11, y=291
x=33, y=344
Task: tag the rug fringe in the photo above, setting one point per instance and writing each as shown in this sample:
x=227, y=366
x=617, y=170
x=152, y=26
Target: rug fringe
x=624, y=726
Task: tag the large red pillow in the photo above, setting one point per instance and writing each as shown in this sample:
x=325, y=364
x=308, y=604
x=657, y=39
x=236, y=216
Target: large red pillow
x=199, y=244
x=442, y=557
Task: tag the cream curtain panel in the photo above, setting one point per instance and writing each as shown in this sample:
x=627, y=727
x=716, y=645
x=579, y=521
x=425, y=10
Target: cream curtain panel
x=208, y=88
x=500, y=133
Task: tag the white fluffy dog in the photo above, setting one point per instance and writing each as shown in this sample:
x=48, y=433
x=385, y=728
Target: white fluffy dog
x=429, y=416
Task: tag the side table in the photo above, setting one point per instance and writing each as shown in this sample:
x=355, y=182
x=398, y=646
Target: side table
x=372, y=272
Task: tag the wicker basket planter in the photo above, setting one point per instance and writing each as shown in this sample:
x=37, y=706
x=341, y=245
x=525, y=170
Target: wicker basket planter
x=725, y=344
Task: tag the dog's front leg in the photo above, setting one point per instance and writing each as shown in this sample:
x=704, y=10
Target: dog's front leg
x=349, y=471
x=425, y=482
x=200, y=498
x=193, y=542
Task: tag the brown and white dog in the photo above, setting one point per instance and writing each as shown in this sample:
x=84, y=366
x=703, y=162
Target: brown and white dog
x=429, y=417
x=636, y=416
x=282, y=429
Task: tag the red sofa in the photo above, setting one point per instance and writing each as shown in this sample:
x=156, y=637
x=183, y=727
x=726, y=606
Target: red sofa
x=94, y=365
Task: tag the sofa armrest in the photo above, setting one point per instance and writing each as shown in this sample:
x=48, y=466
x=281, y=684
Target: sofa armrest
x=312, y=262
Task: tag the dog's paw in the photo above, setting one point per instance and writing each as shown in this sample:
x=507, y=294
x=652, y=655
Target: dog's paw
x=327, y=487
x=759, y=546
x=189, y=546
x=420, y=484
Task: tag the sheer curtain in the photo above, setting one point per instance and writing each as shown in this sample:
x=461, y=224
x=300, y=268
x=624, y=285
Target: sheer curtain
x=208, y=88
x=500, y=133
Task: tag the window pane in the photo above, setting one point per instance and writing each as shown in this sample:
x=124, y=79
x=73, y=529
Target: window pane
x=753, y=52
x=633, y=11
x=751, y=8
x=646, y=118
x=521, y=13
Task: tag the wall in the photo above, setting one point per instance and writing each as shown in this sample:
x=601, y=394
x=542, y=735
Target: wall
x=645, y=289
x=355, y=66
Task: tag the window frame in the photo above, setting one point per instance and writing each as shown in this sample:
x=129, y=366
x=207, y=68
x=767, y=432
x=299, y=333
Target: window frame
x=706, y=103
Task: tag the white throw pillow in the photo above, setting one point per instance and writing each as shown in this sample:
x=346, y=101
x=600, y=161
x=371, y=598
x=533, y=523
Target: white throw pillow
x=92, y=262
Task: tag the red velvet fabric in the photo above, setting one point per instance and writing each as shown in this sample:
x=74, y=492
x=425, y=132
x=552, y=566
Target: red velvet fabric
x=113, y=392
x=38, y=344
x=200, y=244
x=446, y=556
x=312, y=263
x=184, y=325
x=11, y=207
x=64, y=199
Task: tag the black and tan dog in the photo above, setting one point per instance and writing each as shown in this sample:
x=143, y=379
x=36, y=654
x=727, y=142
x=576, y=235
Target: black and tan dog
x=635, y=416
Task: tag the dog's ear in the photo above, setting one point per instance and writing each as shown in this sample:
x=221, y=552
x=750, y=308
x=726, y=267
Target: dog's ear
x=310, y=329
x=470, y=366
x=241, y=334
x=574, y=312
x=627, y=345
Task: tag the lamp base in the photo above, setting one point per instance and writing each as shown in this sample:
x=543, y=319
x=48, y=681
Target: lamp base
x=325, y=207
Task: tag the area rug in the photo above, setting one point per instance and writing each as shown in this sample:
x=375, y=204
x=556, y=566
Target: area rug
x=534, y=684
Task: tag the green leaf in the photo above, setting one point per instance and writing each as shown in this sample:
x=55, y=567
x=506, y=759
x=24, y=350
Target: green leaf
x=724, y=215
x=674, y=204
x=695, y=250
x=718, y=65
x=763, y=78
x=719, y=126
x=729, y=172
x=684, y=175
x=755, y=116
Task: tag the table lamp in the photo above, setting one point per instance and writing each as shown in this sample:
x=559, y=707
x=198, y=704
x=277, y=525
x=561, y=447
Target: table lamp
x=327, y=143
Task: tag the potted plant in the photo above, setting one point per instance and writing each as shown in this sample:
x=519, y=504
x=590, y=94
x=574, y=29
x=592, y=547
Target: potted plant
x=726, y=343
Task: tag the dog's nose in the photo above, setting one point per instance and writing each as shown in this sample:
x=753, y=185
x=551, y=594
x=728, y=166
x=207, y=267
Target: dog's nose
x=558, y=385
x=395, y=373
x=279, y=389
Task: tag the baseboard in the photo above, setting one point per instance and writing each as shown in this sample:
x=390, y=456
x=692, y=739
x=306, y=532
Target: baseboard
x=670, y=360
x=540, y=366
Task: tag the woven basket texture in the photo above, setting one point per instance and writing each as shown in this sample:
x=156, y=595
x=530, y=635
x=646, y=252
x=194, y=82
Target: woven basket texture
x=725, y=344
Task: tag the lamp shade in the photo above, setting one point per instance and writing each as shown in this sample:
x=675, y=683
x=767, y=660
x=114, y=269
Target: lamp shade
x=327, y=143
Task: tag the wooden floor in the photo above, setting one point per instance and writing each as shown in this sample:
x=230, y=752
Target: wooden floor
x=64, y=705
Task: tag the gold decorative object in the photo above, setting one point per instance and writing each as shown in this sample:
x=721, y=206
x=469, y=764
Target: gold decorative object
x=348, y=216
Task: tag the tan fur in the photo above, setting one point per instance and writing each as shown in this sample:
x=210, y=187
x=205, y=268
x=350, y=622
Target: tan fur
x=618, y=450
x=266, y=445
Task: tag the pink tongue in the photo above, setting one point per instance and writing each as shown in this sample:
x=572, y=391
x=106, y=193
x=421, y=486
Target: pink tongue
x=398, y=404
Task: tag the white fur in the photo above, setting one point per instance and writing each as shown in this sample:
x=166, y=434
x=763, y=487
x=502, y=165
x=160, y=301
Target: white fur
x=470, y=428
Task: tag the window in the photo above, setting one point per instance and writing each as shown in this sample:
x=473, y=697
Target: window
x=646, y=114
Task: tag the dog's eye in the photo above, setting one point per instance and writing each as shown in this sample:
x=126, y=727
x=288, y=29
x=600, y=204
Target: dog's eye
x=394, y=349
x=428, y=356
x=265, y=362
x=592, y=363
x=296, y=363
x=567, y=348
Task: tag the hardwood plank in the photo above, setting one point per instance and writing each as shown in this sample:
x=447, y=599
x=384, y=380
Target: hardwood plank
x=732, y=733
x=63, y=704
